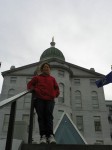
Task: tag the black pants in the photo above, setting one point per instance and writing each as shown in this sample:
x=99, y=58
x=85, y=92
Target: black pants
x=44, y=109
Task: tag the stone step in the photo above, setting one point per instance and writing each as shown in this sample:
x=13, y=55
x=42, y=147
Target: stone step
x=64, y=147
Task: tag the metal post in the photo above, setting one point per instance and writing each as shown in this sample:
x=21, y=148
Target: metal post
x=31, y=120
x=11, y=126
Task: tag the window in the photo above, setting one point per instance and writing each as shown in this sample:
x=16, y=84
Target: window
x=92, y=81
x=77, y=81
x=13, y=79
x=78, y=99
x=6, y=122
x=99, y=142
x=110, y=118
x=111, y=135
x=110, y=109
x=61, y=73
x=71, y=116
x=70, y=96
x=27, y=101
x=94, y=98
x=61, y=96
x=11, y=93
x=97, y=123
x=79, y=122
x=26, y=118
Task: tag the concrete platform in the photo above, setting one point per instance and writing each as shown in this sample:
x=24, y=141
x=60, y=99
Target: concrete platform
x=65, y=147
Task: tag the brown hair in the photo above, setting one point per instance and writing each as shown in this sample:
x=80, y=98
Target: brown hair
x=42, y=66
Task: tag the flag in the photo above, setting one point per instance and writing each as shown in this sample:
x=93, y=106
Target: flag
x=105, y=80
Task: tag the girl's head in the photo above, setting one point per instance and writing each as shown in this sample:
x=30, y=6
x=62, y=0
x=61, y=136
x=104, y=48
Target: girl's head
x=45, y=68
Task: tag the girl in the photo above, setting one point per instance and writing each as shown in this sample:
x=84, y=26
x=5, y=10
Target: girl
x=46, y=89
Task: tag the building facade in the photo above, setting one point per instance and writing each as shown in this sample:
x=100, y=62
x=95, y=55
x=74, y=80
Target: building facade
x=79, y=98
x=109, y=109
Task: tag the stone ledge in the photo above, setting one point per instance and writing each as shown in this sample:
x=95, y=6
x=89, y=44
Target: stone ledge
x=65, y=147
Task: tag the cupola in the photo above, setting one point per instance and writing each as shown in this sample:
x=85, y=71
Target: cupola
x=52, y=52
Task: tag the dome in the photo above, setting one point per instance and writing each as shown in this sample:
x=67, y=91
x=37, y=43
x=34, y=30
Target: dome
x=52, y=52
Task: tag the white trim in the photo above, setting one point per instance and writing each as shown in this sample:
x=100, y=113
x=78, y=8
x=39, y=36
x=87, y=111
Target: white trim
x=59, y=122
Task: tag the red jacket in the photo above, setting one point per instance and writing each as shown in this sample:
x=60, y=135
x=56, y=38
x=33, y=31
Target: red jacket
x=45, y=87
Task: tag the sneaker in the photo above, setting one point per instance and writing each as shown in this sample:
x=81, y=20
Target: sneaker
x=51, y=140
x=43, y=140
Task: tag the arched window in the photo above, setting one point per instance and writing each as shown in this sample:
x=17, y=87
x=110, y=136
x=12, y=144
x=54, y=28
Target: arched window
x=78, y=99
x=11, y=93
x=79, y=121
x=61, y=96
x=94, y=97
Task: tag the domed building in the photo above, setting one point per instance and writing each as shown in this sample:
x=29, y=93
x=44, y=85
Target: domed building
x=52, y=52
x=79, y=98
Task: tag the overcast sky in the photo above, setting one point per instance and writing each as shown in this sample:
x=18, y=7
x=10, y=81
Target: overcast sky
x=82, y=30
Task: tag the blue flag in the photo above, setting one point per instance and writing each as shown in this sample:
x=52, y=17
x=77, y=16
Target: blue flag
x=105, y=80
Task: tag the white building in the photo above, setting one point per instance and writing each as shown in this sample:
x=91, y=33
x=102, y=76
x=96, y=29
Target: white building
x=79, y=98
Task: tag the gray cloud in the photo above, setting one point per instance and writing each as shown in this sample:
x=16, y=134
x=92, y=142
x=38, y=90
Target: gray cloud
x=82, y=30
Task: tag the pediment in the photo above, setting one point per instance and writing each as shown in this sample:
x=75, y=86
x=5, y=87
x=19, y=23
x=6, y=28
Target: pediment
x=74, y=70
x=22, y=71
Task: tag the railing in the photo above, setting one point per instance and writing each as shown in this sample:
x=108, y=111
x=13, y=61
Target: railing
x=13, y=100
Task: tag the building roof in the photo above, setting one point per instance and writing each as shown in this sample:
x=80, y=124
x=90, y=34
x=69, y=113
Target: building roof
x=14, y=70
